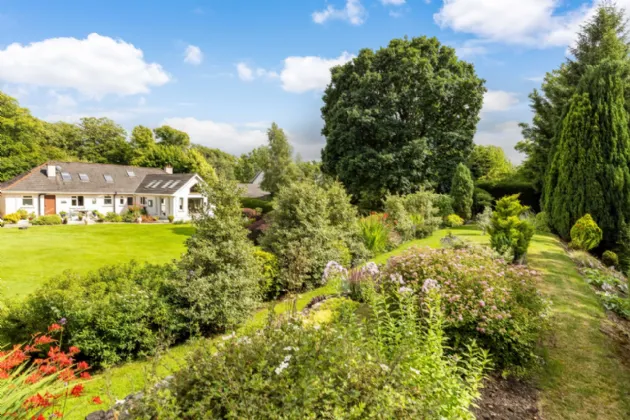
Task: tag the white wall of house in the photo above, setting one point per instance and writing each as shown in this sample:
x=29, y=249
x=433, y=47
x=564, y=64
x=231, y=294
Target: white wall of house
x=14, y=202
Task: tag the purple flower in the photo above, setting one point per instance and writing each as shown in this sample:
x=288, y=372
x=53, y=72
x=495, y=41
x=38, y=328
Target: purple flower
x=333, y=268
x=482, y=303
x=405, y=289
x=429, y=284
x=63, y=321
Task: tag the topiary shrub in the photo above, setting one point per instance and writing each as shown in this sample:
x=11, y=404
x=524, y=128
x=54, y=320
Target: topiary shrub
x=462, y=189
x=509, y=233
x=585, y=234
x=453, y=220
x=610, y=259
x=171, y=218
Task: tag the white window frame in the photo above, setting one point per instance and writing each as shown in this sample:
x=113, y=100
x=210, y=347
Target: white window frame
x=108, y=201
x=25, y=199
x=150, y=203
x=122, y=201
x=143, y=201
x=181, y=203
x=74, y=201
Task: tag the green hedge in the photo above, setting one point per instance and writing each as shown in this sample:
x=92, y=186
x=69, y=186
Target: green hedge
x=499, y=189
x=256, y=203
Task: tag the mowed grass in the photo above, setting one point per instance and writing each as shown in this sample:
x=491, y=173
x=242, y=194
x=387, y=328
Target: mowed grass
x=30, y=257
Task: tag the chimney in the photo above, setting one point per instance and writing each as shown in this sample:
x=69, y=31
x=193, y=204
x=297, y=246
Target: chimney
x=51, y=171
x=168, y=169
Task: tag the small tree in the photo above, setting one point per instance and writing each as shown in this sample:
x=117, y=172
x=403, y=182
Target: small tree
x=585, y=234
x=509, y=234
x=219, y=276
x=462, y=189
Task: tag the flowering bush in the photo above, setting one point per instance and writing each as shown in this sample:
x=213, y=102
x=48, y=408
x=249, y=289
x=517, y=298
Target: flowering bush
x=453, y=220
x=37, y=379
x=388, y=367
x=585, y=234
x=483, y=298
x=11, y=218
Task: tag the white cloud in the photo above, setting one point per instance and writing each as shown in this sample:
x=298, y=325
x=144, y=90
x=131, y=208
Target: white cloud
x=471, y=48
x=533, y=23
x=120, y=115
x=228, y=137
x=62, y=100
x=393, y=2
x=505, y=134
x=245, y=73
x=353, y=12
x=193, y=55
x=142, y=101
x=536, y=79
x=498, y=100
x=94, y=66
x=301, y=74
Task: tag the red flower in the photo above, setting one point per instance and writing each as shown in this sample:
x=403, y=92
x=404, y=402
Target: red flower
x=67, y=375
x=77, y=390
x=40, y=417
x=47, y=369
x=73, y=350
x=85, y=375
x=3, y=374
x=55, y=327
x=97, y=400
x=83, y=366
x=36, y=401
x=43, y=339
x=30, y=349
x=33, y=378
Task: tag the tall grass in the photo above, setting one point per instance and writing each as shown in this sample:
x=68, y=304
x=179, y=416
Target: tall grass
x=375, y=232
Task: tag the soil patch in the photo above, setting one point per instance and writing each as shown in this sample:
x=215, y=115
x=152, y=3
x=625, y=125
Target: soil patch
x=508, y=399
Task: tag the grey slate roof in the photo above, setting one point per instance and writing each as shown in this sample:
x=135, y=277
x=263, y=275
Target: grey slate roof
x=163, y=183
x=252, y=189
x=37, y=180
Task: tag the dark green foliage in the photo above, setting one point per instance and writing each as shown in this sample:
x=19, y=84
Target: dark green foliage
x=223, y=163
x=279, y=168
x=399, y=117
x=256, y=203
x=53, y=219
x=250, y=164
x=610, y=259
x=481, y=200
x=603, y=37
x=489, y=163
x=103, y=141
x=114, y=314
x=585, y=234
x=169, y=136
x=526, y=191
x=219, y=282
x=462, y=189
x=444, y=204
x=589, y=172
x=509, y=233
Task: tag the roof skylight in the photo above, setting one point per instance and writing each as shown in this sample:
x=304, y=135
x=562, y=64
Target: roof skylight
x=108, y=178
x=84, y=178
x=66, y=176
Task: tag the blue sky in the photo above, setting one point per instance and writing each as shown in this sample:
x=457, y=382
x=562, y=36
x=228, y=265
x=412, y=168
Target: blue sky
x=224, y=70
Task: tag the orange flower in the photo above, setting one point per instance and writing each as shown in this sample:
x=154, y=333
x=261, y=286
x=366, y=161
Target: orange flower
x=85, y=375
x=36, y=401
x=73, y=350
x=40, y=417
x=55, y=327
x=33, y=378
x=43, y=339
x=67, y=375
x=97, y=400
x=77, y=390
x=83, y=366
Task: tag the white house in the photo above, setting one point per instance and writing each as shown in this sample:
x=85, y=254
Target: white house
x=74, y=187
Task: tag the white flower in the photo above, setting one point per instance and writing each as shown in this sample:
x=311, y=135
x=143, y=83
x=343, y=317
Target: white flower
x=397, y=278
x=405, y=290
x=429, y=284
x=384, y=367
x=416, y=371
x=282, y=367
x=371, y=268
x=229, y=337
x=333, y=268
x=316, y=327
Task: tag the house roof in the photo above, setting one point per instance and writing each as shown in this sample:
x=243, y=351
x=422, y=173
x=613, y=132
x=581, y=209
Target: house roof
x=163, y=183
x=252, y=189
x=81, y=177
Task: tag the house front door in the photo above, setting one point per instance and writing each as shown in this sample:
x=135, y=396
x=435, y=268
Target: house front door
x=50, y=204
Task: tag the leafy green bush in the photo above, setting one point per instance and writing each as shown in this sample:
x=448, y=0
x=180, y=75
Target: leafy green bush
x=12, y=218
x=484, y=219
x=23, y=214
x=256, y=203
x=585, y=234
x=528, y=194
x=610, y=259
x=270, y=286
x=453, y=220
x=170, y=218
x=541, y=222
x=389, y=366
x=307, y=225
x=375, y=232
x=52, y=219
x=462, y=189
x=113, y=217
x=509, y=233
x=483, y=299
x=114, y=314
x=481, y=200
x=414, y=215
x=444, y=204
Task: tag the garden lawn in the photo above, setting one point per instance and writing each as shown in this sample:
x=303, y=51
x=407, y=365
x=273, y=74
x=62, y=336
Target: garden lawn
x=30, y=257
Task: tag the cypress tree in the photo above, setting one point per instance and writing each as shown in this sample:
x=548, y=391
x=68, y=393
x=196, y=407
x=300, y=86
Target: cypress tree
x=462, y=189
x=589, y=168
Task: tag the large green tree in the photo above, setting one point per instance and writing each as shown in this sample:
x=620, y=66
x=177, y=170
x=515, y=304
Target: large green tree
x=280, y=169
x=602, y=37
x=169, y=136
x=103, y=141
x=489, y=163
x=399, y=117
x=589, y=170
x=222, y=162
x=251, y=163
x=462, y=189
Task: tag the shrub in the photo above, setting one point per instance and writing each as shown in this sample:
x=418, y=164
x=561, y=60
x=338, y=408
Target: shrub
x=453, y=220
x=270, y=286
x=585, y=234
x=375, y=232
x=483, y=299
x=23, y=214
x=541, y=222
x=413, y=215
x=444, y=204
x=526, y=191
x=250, y=213
x=509, y=234
x=387, y=367
x=219, y=281
x=610, y=259
x=52, y=219
x=12, y=218
x=484, y=219
x=481, y=200
x=252, y=203
x=113, y=217
x=114, y=314
x=129, y=217
x=462, y=189
x=171, y=218
x=400, y=217
x=306, y=226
